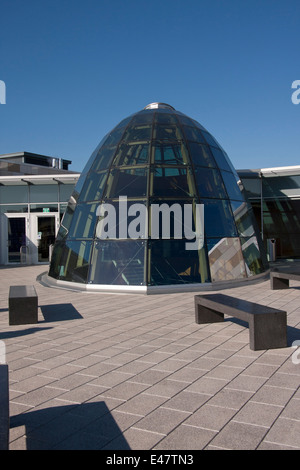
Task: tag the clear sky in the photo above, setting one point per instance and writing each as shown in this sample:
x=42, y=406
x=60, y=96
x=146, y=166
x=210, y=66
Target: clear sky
x=74, y=68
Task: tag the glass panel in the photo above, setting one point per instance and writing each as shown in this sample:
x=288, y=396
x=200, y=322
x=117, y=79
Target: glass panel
x=143, y=117
x=43, y=193
x=209, y=183
x=70, y=261
x=210, y=139
x=138, y=133
x=201, y=155
x=252, y=256
x=171, y=263
x=44, y=207
x=166, y=118
x=16, y=237
x=175, y=182
x=93, y=187
x=243, y=218
x=218, y=219
x=11, y=194
x=231, y=186
x=193, y=134
x=225, y=259
x=118, y=262
x=66, y=222
x=114, y=138
x=65, y=191
x=170, y=154
x=46, y=237
x=220, y=159
x=167, y=132
x=130, y=182
x=252, y=187
x=282, y=186
x=103, y=158
x=132, y=154
x=83, y=221
x=11, y=208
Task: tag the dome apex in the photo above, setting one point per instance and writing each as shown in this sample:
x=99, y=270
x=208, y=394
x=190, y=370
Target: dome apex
x=159, y=105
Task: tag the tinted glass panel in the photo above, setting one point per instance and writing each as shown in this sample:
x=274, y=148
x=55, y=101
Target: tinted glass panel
x=130, y=182
x=231, y=186
x=171, y=263
x=170, y=154
x=252, y=257
x=166, y=118
x=193, y=134
x=44, y=193
x=103, y=158
x=220, y=159
x=93, y=187
x=11, y=194
x=210, y=139
x=209, y=183
x=218, y=219
x=70, y=261
x=172, y=182
x=138, y=133
x=225, y=259
x=243, y=218
x=167, y=132
x=132, y=154
x=201, y=155
x=83, y=222
x=114, y=137
x=118, y=262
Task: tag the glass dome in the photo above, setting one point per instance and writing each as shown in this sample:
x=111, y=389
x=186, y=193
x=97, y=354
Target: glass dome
x=158, y=165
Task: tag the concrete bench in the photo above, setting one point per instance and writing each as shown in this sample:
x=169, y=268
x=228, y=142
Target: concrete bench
x=4, y=407
x=281, y=279
x=267, y=326
x=22, y=305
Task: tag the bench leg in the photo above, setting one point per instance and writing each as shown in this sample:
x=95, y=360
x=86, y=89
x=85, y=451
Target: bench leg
x=268, y=331
x=278, y=283
x=207, y=315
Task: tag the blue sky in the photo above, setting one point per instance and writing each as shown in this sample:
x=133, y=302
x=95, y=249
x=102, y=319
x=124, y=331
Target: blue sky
x=73, y=69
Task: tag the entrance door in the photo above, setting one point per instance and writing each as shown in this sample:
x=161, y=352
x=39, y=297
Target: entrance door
x=45, y=236
x=16, y=239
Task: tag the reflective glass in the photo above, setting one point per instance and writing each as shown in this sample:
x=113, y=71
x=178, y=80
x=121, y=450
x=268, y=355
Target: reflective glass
x=172, y=182
x=210, y=139
x=220, y=158
x=252, y=187
x=166, y=118
x=70, y=261
x=93, y=187
x=12, y=194
x=84, y=221
x=103, y=158
x=171, y=263
x=13, y=208
x=252, y=256
x=170, y=154
x=130, y=182
x=201, y=155
x=166, y=132
x=43, y=193
x=118, y=262
x=209, y=183
x=138, y=133
x=231, y=186
x=225, y=259
x=66, y=222
x=65, y=191
x=113, y=138
x=132, y=154
x=243, y=218
x=193, y=134
x=218, y=219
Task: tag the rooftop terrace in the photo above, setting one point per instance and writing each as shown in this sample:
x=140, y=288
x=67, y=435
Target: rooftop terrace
x=114, y=372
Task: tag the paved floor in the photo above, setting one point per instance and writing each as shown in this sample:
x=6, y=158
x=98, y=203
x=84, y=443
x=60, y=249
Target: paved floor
x=108, y=371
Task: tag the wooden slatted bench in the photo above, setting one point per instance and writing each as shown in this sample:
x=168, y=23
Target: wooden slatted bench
x=281, y=279
x=267, y=326
x=4, y=407
x=22, y=305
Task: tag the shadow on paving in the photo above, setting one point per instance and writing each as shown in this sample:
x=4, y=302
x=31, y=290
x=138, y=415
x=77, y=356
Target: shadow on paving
x=293, y=333
x=59, y=312
x=89, y=426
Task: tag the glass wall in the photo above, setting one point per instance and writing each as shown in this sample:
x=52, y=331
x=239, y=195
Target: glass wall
x=157, y=157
